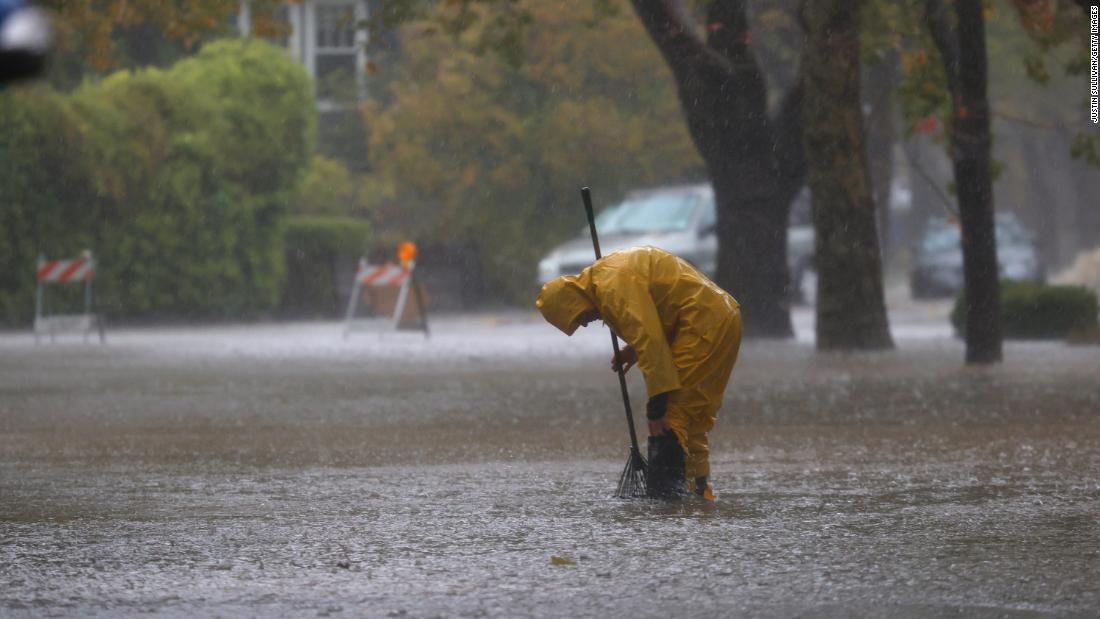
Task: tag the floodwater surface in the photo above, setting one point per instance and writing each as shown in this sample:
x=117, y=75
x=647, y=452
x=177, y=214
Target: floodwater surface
x=281, y=470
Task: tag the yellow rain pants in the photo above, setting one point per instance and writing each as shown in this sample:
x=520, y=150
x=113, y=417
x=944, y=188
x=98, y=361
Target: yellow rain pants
x=685, y=329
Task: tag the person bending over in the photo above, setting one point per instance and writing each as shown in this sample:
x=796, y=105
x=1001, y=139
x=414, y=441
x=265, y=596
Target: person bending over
x=681, y=329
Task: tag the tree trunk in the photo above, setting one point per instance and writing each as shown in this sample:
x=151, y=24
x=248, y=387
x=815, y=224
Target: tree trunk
x=881, y=137
x=754, y=173
x=964, y=59
x=851, y=312
x=974, y=180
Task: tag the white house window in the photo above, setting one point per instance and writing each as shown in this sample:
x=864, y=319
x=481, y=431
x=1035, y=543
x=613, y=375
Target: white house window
x=336, y=28
x=327, y=37
x=335, y=46
x=336, y=52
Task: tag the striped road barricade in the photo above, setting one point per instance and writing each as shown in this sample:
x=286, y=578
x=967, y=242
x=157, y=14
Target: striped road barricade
x=376, y=278
x=55, y=272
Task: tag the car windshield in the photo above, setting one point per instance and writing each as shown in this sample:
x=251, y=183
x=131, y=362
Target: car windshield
x=656, y=212
x=605, y=217
x=1010, y=232
x=942, y=236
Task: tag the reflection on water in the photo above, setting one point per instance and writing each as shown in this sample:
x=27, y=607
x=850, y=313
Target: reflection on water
x=893, y=484
x=478, y=539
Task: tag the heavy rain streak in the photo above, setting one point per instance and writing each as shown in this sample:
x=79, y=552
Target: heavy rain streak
x=305, y=308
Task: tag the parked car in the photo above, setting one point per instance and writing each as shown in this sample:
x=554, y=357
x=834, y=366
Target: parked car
x=680, y=219
x=937, y=258
x=800, y=250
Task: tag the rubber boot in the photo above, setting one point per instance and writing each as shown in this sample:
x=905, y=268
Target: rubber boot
x=666, y=467
x=701, y=485
x=702, y=489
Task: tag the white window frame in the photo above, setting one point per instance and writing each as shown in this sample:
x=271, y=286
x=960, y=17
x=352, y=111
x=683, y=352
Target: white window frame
x=303, y=46
x=310, y=49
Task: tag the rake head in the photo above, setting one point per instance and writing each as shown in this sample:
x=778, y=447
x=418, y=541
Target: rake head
x=633, y=483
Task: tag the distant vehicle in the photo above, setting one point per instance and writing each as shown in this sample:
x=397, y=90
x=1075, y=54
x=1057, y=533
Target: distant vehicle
x=800, y=250
x=680, y=219
x=937, y=258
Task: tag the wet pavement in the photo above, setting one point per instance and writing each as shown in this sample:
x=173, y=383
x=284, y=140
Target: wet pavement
x=282, y=470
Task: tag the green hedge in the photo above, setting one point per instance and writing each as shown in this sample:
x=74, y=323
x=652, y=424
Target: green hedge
x=178, y=180
x=315, y=245
x=1031, y=310
x=44, y=189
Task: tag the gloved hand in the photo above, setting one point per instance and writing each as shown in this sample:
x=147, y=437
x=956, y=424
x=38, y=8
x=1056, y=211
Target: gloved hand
x=655, y=411
x=627, y=357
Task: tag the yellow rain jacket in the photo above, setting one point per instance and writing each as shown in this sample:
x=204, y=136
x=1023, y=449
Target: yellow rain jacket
x=685, y=329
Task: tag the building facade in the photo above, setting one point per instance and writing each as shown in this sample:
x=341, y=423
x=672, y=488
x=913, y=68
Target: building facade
x=330, y=39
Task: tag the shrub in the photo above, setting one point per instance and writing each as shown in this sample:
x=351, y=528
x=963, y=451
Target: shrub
x=178, y=180
x=329, y=188
x=1031, y=310
x=458, y=159
x=43, y=193
x=316, y=247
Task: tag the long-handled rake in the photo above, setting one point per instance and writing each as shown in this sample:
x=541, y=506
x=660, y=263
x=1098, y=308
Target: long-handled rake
x=633, y=482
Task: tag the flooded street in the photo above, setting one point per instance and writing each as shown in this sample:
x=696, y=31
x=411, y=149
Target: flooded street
x=283, y=470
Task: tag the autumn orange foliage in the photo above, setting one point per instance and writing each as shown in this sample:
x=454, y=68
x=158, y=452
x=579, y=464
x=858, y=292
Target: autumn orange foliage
x=90, y=27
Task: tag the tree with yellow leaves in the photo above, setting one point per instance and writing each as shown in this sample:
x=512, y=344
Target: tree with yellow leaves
x=97, y=36
x=473, y=149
